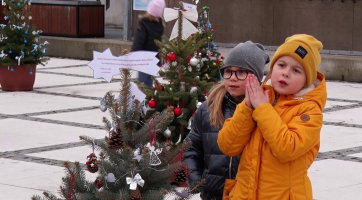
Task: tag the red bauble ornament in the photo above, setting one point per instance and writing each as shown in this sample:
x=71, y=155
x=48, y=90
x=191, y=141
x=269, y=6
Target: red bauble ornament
x=177, y=111
x=162, y=88
x=98, y=183
x=222, y=57
x=152, y=104
x=172, y=56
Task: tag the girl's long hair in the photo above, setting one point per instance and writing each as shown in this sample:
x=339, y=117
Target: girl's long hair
x=214, y=104
x=268, y=76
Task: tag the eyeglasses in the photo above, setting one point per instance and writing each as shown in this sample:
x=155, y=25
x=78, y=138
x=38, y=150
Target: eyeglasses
x=240, y=74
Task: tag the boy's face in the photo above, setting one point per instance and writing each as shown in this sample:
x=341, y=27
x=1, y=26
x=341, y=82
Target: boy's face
x=233, y=85
x=288, y=76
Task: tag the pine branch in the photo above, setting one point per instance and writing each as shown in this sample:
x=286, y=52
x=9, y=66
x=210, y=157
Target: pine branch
x=125, y=90
x=157, y=123
x=105, y=195
x=99, y=145
x=163, y=193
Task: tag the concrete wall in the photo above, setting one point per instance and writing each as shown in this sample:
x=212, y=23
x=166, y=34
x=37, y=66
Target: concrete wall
x=114, y=14
x=336, y=24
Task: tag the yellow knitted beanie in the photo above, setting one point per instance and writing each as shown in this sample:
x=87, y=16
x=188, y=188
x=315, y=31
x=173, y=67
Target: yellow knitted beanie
x=305, y=49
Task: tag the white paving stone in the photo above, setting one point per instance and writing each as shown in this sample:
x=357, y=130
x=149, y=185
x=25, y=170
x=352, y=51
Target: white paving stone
x=85, y=117
x=21, y=134
x=71, y=154
x=357, y=155
x=44, y=177
x=98, y=90
x=336, y=179
x=338, y=137
x=45, y=80
x=331, y=104
x=349, y=116
x=86, y=71
x=18, y=192
x=24, y=102
x=61, y=62
x=344, y=90
x=30, y=177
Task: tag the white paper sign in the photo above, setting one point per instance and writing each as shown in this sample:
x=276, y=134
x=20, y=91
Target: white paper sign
x=137, y=93
x=142, y=61
x=105, y=65
x=188, y=6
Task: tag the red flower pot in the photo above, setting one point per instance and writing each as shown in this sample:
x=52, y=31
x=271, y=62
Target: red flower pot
x=17, y=78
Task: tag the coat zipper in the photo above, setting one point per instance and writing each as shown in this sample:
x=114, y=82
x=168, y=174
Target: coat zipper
x=231, y=159
x=275, y=100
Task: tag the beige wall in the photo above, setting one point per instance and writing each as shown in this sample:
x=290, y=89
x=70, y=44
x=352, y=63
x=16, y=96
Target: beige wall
x=338, y=25
x=114, y=14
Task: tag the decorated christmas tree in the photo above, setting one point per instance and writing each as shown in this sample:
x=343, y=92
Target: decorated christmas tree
x=131, y=164
x=181, y=86
x=18, y=39
x=211, y=58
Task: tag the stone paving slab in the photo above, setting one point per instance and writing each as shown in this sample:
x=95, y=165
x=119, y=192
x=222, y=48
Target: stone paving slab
x=344, y=90
x=338, y=137
x=333, y=104
x=40, y=128
x=23, y=134
x=336, y=179
x=96, y=90
x=351, y=116
x=85, y=116
x=59, y=62
x=80, y=70
x=27, y=102
x=46, y=80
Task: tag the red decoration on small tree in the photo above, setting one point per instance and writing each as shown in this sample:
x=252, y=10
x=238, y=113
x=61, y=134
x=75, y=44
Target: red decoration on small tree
x=177, y=111
x=152, y=103
x=98, y=183
x=172, y=56
x=162, y=88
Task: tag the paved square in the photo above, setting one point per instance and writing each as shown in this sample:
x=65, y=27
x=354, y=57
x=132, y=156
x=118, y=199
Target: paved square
x=39, y=130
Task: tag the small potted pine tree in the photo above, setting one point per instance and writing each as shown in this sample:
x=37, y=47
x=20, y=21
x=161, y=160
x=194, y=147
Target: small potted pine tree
x=20, y=51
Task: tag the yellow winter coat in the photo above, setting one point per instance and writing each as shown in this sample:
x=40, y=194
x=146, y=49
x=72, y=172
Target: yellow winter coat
x=278, y=142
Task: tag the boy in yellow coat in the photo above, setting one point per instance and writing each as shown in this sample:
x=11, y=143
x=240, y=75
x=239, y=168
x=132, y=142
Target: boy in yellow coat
x=276, y=129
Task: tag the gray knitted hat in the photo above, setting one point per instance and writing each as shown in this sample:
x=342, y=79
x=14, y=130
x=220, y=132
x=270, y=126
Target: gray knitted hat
x=250, y=56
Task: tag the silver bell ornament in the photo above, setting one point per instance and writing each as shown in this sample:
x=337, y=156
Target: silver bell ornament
x=198, y=104
x=166, y=66
x=174, y=64
x=189, y=68
x=194, y=61
x=189, y=124
x=103, y=106
x=193, y=89
x=182, y=86
x=167, y=133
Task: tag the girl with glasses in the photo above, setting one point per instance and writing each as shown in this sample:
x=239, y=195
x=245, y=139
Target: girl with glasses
x=204, y=158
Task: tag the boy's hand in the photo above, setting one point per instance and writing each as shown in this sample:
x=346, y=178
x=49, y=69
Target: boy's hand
x=255, y=93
